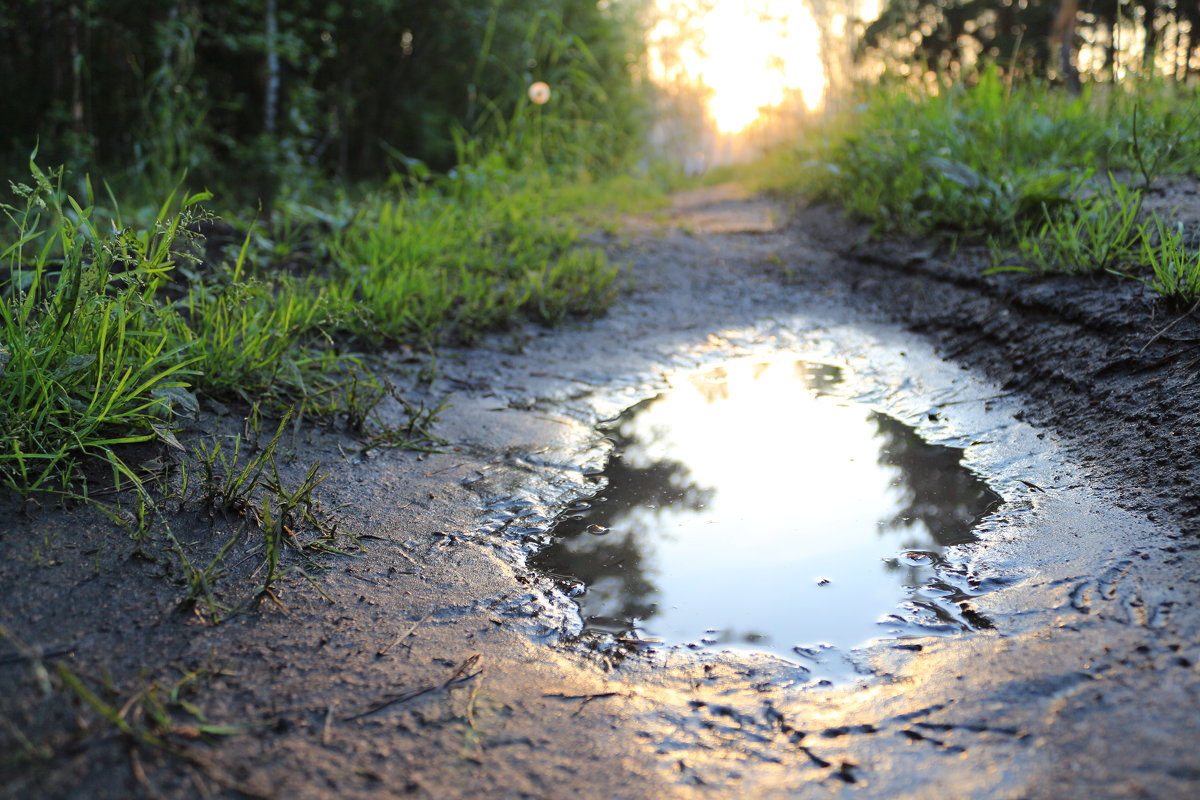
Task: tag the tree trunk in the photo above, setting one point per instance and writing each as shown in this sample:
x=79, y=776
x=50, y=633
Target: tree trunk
x=1064, y=36
x=77, y=115
x=1150, y=37
x=271, y=96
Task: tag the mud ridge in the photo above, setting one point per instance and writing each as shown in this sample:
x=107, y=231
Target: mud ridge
x=1102, y=360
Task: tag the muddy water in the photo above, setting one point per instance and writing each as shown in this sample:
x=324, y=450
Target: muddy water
x=751, y=507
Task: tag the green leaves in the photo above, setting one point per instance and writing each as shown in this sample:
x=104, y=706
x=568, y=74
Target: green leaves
x=189, y=87
x=1099, y=233
x=86, y=350
x=1017, y=167
x=1175, y=264
x=957, y=172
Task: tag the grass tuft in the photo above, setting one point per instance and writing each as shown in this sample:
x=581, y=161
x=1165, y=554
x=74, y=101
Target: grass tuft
x=1175, y=265
x=428, y=265
x=89, y=359
x=1015, y=166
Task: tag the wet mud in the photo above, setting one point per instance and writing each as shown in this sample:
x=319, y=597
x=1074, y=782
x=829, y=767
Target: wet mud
x=436, y=661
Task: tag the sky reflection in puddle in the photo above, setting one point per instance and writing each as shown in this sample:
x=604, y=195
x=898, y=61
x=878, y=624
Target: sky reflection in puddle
x=748, y=508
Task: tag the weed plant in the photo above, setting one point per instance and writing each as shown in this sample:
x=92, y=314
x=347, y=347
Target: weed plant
x=269, y=338
x=1100, y=232
x=1175, y=266
x=108, y=332
x=238, y=480
x=955, y=161
x=89, y=359
x=1015, y=166
x=476, y=251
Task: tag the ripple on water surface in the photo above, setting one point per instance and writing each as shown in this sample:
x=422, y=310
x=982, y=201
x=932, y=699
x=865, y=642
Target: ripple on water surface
x=750, y=507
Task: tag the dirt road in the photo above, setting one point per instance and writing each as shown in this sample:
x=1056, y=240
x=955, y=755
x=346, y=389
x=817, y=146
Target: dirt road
x=432, y=662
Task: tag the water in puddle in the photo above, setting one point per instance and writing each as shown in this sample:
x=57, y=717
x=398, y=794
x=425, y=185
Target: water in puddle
x=750, y=508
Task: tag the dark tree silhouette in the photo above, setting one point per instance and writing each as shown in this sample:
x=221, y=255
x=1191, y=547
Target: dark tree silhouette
x=247, y=88
x=1034, y=39
x=614, y=564
x=946, y=498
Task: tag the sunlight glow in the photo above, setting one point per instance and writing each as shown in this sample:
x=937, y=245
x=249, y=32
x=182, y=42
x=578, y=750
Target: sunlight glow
x=764, y=417
x=750, y=55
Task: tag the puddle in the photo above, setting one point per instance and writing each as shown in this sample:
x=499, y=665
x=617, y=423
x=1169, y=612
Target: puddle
x=751, y=508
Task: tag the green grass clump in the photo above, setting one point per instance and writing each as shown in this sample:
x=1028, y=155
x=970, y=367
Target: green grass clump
x=974, y=158
x=455, y=260
x=1051, y=181
x=89, y=359
x=106, y=333
x=1100, y=232
x=1174, y=265
x=968, y=159
x=262, y=338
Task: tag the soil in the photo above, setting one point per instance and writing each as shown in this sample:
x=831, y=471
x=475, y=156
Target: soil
x=429, y=660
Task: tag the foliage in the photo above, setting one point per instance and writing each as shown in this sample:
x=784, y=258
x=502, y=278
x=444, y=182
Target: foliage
x=267, y=338
x=1014, y=166
x=260, y=97
x=107, y=332
x=1100, y=232
x=953, y=37
x=88, y=358
x=272, y=100
x=1175, y=266
x=949, y=36
x=969, y=159
x=478, y=254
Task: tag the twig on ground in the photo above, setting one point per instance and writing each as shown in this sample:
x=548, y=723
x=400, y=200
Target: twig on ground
x=1177, y=320
x=383, y=651
x=412, y=560
x=976, y=399
x=471, y=699
x=584, y=698
x=17, y=658
x=563, y=378
x=139, y=774
x=461, y=674
x=325, y=729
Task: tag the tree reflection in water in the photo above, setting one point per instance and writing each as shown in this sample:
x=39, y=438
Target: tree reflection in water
x=620, y=589
x=943, y=501
x=637, y=548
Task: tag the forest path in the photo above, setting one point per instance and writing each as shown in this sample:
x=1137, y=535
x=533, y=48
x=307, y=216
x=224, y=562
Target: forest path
x=437, y=664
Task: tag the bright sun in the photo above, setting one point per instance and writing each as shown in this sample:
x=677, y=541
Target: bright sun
x=748, y=53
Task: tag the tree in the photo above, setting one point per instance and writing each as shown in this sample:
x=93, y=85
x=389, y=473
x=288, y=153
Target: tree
x=1037, y=38
x=260, y=89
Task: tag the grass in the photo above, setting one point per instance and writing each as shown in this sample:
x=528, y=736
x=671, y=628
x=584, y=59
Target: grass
x=429, y=264
x=156, y=714
x=89, y=358
x=238, y=483
x=109, y=333
x=1100, y=232
x=1053, y=182
x=117, y=326
x=256, y=338
x=113, y=332
x=1175, y=266
x=162, y=715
